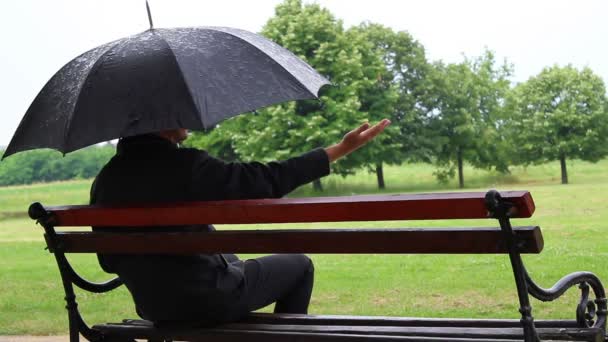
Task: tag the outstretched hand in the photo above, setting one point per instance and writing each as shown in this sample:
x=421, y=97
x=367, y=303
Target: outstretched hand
x=355, y=139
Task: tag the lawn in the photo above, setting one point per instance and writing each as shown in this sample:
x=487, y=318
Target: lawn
x=574, y=219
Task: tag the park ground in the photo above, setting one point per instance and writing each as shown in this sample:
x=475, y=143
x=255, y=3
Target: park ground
x=573, y=218
x=29, y=338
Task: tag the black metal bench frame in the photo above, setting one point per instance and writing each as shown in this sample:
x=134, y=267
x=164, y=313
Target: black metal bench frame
x=590, y=313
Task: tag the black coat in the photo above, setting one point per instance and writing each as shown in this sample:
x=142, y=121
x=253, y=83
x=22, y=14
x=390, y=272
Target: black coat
x=149, y=168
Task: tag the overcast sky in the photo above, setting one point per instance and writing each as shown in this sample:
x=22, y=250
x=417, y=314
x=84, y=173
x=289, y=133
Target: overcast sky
x=38, y=37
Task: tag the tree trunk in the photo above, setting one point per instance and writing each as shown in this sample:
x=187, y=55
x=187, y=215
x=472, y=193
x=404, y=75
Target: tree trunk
x=460, y=175
x=317, y=185
x=380, y=176
x=562, y=161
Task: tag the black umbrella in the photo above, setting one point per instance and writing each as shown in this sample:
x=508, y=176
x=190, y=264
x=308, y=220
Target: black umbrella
x=162, y=79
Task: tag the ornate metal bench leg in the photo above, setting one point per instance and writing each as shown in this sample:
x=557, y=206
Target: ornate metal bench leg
x=589, y=313
x=72, y=308
x=501, y=210
x=77, y=325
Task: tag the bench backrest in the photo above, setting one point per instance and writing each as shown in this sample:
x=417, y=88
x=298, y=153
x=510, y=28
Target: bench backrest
x=465, y=205
x=435, y=206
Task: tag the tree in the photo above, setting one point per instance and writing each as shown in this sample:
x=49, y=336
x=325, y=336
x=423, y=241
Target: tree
x=47, y=165
x=468, y=100
x=375, y=73
x=560, y=114
x=280, y=131
x=395, y=67
x=312, y=33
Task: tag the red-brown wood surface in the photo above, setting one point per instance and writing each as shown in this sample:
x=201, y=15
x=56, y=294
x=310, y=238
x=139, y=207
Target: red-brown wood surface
x=464, y=205
x=417, y=240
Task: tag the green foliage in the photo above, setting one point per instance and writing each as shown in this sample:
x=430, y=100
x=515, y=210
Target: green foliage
x=375, y=74
x=407, y=72
x=48, y=165
x=285, y=130
x=560, y=113
x=312, y=33
x=397, y=72
x=467, y=101
x=282, y=131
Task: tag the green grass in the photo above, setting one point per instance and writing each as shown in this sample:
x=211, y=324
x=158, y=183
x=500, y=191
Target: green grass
x=574, y=220
x=14, y=200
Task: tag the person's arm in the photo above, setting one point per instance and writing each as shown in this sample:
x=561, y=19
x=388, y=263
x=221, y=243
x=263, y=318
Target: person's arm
x=214, y=179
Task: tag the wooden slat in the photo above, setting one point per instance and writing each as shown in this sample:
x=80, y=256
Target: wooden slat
x=301, y=319
x=464, y=205
x=327, y=320
x=337, y=241
x=264, y=332
x=570, y=334
x=224, y=335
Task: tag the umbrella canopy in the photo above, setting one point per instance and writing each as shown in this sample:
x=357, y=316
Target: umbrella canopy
x=162, y=79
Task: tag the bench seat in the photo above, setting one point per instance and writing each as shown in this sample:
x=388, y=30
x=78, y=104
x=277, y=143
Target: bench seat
x=289, y=327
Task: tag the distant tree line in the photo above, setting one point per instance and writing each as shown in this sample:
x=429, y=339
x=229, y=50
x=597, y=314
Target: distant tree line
x=444, y=114
x=447, y=114
x=49, y=165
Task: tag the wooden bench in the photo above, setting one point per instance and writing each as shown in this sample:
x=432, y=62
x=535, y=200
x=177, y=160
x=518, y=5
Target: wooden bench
x=589, y=324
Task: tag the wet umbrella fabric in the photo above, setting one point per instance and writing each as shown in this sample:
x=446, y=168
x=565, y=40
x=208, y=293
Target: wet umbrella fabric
x=162, y=79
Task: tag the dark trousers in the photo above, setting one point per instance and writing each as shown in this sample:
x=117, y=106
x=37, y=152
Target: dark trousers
x=286, y=279
x=165, y=293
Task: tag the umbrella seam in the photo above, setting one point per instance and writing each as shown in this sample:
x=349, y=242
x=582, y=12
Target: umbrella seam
x=91, y=71
x=183, y=78
x=272, y=59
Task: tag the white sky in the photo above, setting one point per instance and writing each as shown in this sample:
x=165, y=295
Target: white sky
x=38, y=37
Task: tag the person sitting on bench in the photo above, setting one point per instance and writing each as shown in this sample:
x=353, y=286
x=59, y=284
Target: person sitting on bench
x=209, y=289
